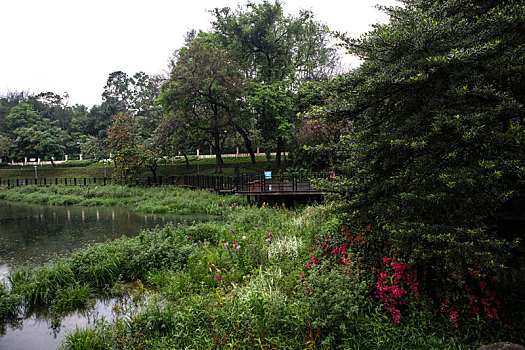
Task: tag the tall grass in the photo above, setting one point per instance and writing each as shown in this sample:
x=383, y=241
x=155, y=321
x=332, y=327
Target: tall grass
x=167, y=199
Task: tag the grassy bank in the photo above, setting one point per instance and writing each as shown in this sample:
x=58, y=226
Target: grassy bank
x=178, y=167
x=262, y=278
x=168, y=199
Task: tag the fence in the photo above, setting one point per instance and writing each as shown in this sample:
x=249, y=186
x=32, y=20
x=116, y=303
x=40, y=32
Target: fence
x=255, y=182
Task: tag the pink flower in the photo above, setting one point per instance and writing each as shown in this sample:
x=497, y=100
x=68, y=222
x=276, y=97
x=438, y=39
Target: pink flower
x=238, y=247
x=269, y=233
x=217, y=277
x=231, y=230
x=226, y=244
x=243, y=237
x=189, y=236
x=267, y=240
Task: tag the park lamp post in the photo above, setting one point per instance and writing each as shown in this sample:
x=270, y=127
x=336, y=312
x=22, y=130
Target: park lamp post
x=36, y=174
x=104, y=169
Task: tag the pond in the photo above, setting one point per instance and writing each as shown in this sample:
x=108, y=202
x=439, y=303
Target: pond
x=34, y=234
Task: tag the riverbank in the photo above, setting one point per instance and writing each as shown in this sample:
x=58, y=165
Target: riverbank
x=263, y=277
x=166, y=199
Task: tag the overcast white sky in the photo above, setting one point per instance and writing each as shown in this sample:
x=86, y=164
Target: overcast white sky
x=72, y=45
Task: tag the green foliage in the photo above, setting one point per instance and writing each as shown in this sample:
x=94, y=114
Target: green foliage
x=9, y=302
x=205, y=90
x=5, y=146
x=204, y=292
x=275, y=51
x=433, y=133
x=436, y=146
x=336, y=296
x=93, y=148
x=161, y=200
x=35, y=136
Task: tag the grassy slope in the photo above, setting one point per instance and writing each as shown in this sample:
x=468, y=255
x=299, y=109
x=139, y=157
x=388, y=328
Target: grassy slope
x=206, y=167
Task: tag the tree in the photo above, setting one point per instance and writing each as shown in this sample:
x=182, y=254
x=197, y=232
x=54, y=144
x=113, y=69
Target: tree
x=5, y=146
x=130, y=150
x=438, y=144
x=136, y=94
x=8, y=101
x=122, y=142
x=35, y=136
x=274, y=104
x=94, y=147
x=276, y=50
x=117, y=93
x=205, y=87
x=174, y=136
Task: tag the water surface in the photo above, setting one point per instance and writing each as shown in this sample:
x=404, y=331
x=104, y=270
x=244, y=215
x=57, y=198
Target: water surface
x=35, y=234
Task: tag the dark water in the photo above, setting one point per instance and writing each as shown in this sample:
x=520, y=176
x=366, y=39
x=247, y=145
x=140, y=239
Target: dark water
x=34, y=234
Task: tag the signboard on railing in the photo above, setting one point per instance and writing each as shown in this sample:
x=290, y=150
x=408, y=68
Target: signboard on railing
x=267, y=174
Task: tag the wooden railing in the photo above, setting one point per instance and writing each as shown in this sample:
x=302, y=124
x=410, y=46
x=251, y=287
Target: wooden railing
x=254, y=182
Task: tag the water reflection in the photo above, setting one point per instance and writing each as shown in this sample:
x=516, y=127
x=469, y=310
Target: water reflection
x=42, y=330
x=34, y=234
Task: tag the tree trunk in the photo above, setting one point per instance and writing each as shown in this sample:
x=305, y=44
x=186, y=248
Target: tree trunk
x=218, y=157
x=247, y=141
x=279, y=150
x=153, y=169
x=187, y=160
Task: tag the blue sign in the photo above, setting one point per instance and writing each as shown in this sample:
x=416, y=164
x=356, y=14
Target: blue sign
x=267, y=174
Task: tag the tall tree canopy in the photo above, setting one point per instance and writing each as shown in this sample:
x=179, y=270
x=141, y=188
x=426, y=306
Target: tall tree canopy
x=35, y=136
x=438, y=111
x=205, y=87
x=275, y=50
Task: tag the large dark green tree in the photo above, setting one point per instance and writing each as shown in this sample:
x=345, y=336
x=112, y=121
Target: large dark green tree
x=438, y=108
x=205, y=87
x=438, y=140
x=275, y=50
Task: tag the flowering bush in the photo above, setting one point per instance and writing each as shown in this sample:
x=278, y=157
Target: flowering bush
x=396, y=285
x=392, y=279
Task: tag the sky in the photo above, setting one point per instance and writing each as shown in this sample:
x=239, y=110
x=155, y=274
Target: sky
x=71, y=46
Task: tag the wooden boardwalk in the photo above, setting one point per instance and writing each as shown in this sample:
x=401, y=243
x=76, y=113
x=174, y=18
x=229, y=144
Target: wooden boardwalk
x=282, y=189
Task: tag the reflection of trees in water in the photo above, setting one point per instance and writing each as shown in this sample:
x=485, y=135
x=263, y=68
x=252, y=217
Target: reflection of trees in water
x=33, y=234
x=12, y=323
